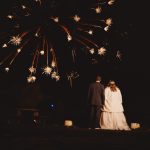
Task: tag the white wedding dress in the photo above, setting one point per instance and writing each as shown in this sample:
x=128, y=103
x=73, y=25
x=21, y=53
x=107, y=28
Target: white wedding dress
x=112, y=116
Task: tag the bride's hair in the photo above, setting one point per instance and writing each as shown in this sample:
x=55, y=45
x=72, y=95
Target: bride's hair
x=112, y=86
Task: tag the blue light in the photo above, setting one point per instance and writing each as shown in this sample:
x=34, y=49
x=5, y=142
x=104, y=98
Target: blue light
x=51, y=106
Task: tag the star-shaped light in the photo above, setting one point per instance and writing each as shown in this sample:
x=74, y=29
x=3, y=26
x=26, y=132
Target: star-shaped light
x=101, y=51
x=15, y=40
x=47, y=70
x=42, y=52
x=76, y=18
x=4, y=45
x=91, y=51
x=69, y=37
x=98, y=10
x=109, y=21
x=31, y=79
x=32, y=69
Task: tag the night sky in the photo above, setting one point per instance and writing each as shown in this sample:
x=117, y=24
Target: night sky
x=131, y=74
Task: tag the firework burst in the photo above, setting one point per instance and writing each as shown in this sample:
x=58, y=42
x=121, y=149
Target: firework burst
x=36, y=28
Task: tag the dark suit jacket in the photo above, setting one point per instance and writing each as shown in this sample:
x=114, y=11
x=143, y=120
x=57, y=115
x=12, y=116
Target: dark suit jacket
x=96, y=94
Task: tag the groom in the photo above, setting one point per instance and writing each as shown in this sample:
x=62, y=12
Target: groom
x=95, y=101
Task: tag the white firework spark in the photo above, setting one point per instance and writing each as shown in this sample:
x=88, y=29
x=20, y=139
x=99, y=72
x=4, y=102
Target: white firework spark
x=15, y=40
x=109, y=21
x=47, y=70
x=7, y=69
x=101, y=51
x=76, y=18
x=92, y=51
x=31, y=79
x=32, y=69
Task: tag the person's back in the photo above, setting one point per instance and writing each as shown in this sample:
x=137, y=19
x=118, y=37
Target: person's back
x=95, y=101
x=113, y=100
x=96, y=94
x=112, y=116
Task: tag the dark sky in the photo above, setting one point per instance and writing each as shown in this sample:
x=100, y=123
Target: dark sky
x=132, y=75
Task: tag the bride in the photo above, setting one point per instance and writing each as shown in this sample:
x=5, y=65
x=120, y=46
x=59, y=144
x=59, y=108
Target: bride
x=112, y=116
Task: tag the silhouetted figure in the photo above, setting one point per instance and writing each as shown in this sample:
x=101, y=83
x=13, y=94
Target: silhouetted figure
x=95, y=101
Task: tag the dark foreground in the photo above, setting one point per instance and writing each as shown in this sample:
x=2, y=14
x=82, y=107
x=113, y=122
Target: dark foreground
x=59, y=138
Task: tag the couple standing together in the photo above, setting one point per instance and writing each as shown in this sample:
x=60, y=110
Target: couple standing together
x=106, y=109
